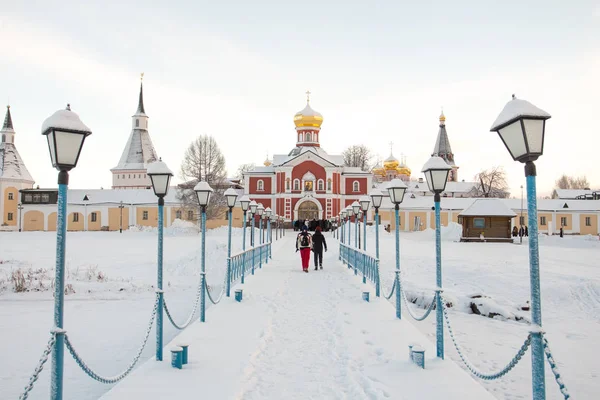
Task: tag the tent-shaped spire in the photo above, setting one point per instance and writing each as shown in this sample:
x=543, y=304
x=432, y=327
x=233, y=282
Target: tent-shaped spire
x=442, y=144
x=7, y=120
x=140, y=109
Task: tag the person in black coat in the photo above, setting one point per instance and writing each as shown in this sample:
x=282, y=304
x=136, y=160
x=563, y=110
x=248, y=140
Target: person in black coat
x=318, y=244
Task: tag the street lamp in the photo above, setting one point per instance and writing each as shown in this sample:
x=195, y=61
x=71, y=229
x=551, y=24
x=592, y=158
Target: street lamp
x=365, y=202
x=121, y=206
x=521, y=126
x=436, y=172
x=203, y=192
x=396, y=191
x=20, y=207
x=160, y=176
x=268, y=213
x=260, y=210
x=343, y=224
x=253, y=207
x=349, y=213
x=355, y=211
x=65, y=134
x=245, y=203
x=231, y=196
x=377, y=198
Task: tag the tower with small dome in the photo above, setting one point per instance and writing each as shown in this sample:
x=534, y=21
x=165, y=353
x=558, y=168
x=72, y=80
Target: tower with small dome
x=442, y=149
x=392, y=168
x=308, y=125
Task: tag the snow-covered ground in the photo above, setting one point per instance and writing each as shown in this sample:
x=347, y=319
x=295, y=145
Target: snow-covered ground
x=113, y=277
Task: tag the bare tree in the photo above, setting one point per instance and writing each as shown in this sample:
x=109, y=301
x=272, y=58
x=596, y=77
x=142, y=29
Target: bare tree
x=358, y=156
x=243, y=168
x=572, y=182
x=491, y=183
x=203, y=161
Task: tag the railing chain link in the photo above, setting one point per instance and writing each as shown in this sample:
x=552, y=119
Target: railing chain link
x=472, y=368
x=117, y=378
x=391, y=292
x=554, y=368
x=407, y=303
x=38, y=369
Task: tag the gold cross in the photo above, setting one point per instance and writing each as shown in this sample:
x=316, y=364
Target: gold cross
x=308, y=96
x=142, y=76
x=391, y=146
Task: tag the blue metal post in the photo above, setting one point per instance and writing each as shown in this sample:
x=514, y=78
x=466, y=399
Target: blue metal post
x=356, y=231
x=244, y=249
x=229, y=253
x=439, y=329
x=269, y=238
x=377, y=233
x=260, y=234
x=349, y=231
x=398, y=288
x=159, y=283
x=365, y=231
x=56, y=389
x=537, y=347
x=252, y=231
x=203, y=269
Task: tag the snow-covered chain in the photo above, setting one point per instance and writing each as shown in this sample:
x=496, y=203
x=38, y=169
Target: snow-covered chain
x=220, y=294
x=190, y=318
x=470, y=366
x=406, y=302
x=40, y=367
x=116, y=378
x=391, y=292
x=554, y=368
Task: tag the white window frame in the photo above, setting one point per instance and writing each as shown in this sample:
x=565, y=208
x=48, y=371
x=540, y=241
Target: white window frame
x=320, y=185
x=76, y=217
x=260, y=185
x=94, y=217
x=563, y=219
x=178, y=214
x=329, y=185
x=9, y=216
x=356, y=186
x=543, y=220
x=296, y=184
x=145, y=215
x=588, y=221
x=11, y=196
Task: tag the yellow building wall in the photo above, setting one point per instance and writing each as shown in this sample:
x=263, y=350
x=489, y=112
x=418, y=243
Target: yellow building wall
x=411, y=220
x=569, y=224
x=114, y=218
x=33, y=221
x=52, y=222
x=152, y=217
x=588, y=230
x=10, y=206
x=455, y=216
x=72, y=225
x=544, y=228
x=517, y=219
x=443, y=219
x=94, y=226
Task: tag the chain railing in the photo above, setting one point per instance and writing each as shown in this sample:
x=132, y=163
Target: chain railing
x=554, y=368
x=113, y=379
x=363, y=263
x=491, y=376
x=408, y=303
x=40, y=366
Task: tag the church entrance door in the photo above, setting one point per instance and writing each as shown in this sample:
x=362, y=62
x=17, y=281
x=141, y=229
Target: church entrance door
x=308, y=210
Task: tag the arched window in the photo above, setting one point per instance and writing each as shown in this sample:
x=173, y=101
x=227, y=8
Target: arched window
x=260, y=185
x=320, y=184
x=329, y=184
x=287, y=184
x=178, y=214
x=355, y=186
x=296, y=184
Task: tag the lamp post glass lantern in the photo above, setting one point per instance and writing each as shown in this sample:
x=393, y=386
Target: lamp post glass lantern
x=160, y=176
x=436, y=172
x=521, y=127
x=203, y=192
x=65, y=134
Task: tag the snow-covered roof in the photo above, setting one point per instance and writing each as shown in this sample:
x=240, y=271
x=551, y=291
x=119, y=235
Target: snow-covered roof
x=309, y=112
x=158, y=167
x=281, y=159
x=12, y=165
x=65, y=119
x=574, y=193
x=515, y=109
x=260, y=170
x=115, y=196
x=488, y=208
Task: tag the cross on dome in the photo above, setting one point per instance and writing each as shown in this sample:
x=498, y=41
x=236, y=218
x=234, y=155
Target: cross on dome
x=308, y=96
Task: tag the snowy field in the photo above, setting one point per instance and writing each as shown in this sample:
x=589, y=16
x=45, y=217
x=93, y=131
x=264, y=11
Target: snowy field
x=112, y=277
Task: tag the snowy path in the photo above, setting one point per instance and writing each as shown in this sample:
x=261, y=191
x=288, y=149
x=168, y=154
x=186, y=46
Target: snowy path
x=304, y=336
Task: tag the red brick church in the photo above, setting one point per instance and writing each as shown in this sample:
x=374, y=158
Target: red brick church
x=306, y=183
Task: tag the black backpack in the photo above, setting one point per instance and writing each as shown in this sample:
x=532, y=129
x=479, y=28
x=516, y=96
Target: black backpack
x=304, y=240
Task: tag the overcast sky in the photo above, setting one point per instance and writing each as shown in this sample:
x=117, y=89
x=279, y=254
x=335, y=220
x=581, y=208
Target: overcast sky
x=379, y=72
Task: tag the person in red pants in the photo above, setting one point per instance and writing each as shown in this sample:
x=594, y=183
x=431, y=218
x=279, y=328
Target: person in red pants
x=304, y=244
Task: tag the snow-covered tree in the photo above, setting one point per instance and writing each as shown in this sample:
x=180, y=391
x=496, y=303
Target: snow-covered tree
x=203, y=161
x=243, y=168
x=358, y=156
x=572, y=182
x=492, y=183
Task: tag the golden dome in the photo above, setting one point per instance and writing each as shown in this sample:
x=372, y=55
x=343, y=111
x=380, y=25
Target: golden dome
x=267, y=162
x=404, y=171
x=308, y=118
x=442, y=118
x=391, y=162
